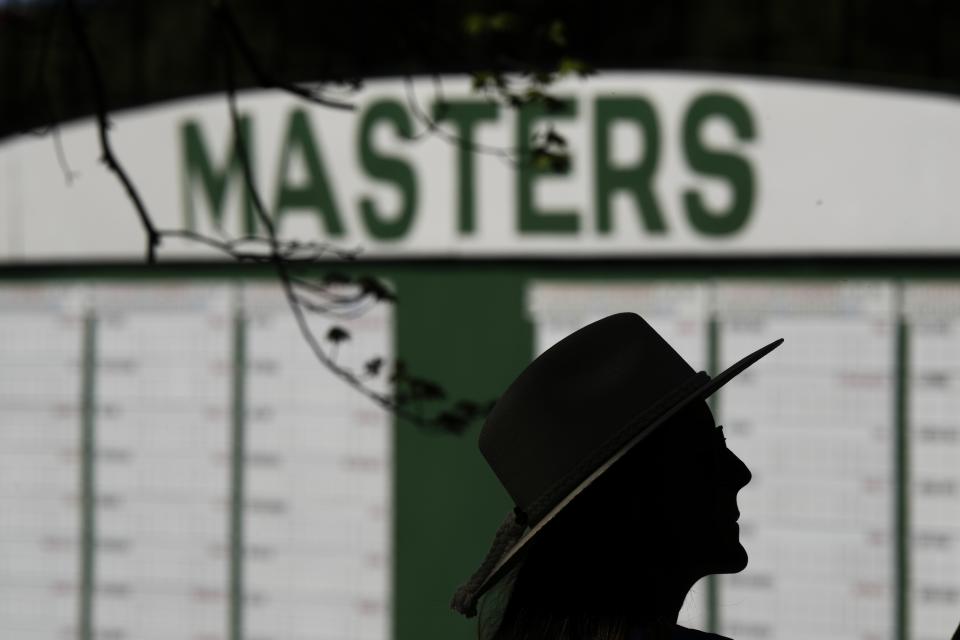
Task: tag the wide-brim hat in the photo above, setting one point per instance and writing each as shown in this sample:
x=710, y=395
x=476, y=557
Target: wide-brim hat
x=571, y=415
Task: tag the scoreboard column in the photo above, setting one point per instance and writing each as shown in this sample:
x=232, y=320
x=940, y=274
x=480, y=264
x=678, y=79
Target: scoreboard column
x=933, y=443
x=318, y=504
x=41, y=358
x=814, y=422
x=163, y=398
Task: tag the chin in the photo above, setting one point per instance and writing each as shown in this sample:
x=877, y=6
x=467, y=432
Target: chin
x=736, y=559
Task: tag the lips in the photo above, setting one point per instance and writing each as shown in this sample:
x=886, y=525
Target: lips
x=728, y=515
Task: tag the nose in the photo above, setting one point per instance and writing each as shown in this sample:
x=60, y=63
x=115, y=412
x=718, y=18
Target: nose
x=737, y=471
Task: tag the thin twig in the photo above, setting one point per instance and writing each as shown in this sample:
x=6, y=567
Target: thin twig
x=432, y=127
x=103, y=125
x=263, y=78
x=341, y=313
x=278, y=260
x=292, y=251
x=41, y=93
x=68, y=174
x=324, y=290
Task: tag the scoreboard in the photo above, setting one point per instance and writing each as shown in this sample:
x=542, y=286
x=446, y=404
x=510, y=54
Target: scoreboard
x=175, y=463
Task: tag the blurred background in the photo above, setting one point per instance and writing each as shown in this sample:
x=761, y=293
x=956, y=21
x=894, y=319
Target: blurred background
x=264, y=267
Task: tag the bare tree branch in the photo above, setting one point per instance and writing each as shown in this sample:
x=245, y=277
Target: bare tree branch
x=303, y=294
x=103, y=124
x=419, y=389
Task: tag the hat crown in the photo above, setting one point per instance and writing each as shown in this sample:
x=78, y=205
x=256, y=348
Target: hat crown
x=575, y=397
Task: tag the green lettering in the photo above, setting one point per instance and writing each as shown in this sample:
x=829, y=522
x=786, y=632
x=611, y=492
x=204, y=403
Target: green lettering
x=316, y=192
x=198, y=169
x=723, y=164
x=635, y=179
x=465, y=116
x=530, y=218
x=387, y=168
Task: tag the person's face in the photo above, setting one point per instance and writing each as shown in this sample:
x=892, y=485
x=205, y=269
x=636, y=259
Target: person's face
x=694, y=479
x=708, y=476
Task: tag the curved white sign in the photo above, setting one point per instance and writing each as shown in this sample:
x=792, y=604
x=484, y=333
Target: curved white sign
x=630, y=165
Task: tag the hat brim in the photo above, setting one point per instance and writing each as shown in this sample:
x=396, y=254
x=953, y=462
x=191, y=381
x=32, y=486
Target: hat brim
x=705, y=390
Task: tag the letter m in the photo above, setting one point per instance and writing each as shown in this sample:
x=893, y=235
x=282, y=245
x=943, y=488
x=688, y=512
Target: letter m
x=199, y=172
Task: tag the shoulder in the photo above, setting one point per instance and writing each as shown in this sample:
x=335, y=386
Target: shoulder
x=680, y=633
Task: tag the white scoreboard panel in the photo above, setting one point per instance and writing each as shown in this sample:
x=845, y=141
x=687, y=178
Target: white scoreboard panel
x=236, y=488
x=679, y=313
x=162, y=392
x=40, y=398
x=817, y=423
x=319, y=481
x=933, y=315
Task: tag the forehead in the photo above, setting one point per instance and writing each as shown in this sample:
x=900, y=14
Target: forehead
x=697, y=415
x=693, y=423
x=692, y=426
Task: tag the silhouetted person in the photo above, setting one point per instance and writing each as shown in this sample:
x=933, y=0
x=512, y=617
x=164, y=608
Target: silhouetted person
x=625, y=492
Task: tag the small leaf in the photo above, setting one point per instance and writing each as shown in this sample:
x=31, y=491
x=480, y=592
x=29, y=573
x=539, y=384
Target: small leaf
x=570, y=65
x=557, y=33
x=503, y=21
x=475, y=24
x=373, y=366
x=559, y=162
x=534, y=95
x=337, y=335
x=552, y=105
x=482, y=79
x=555, y=138
x=376, y=288
x=542, y=160
x=467, y=408
x=426, y=390
x=451, y=422
x=543, y=77
x=399, y=371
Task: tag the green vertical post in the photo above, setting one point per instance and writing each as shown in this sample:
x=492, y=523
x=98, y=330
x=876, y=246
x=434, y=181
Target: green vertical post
x=901, y=451
x=87, y=475
x=713, y=364
x=238, y=448
x=476, y=342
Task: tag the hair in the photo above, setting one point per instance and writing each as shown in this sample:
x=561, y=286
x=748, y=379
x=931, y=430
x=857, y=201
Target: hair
x=591, y=574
